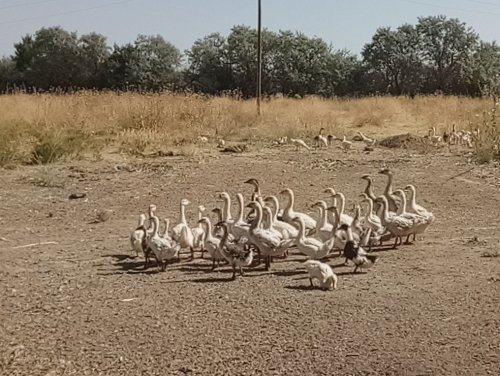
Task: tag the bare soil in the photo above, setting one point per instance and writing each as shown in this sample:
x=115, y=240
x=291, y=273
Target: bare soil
x=83, y=306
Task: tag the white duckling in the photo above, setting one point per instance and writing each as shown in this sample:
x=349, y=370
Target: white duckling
x=323, y=273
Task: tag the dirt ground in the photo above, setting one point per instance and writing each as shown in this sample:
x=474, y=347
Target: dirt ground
x=82, y=306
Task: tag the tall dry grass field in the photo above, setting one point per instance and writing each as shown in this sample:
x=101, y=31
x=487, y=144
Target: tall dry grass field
x=45, y=128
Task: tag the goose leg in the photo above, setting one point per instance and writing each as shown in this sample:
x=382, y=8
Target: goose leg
x=241, y=271
x=213, y=264
x=234, y=273
x=268, y=263
x=408, y=239
x=311, y=282
x=355, y=269
x=395, y=243
x=414, y=237
x=192, y=252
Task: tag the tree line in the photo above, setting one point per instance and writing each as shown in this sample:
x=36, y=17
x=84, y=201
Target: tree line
x=435, y=55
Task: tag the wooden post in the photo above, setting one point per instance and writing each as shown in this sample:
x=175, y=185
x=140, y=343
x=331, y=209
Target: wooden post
x=259, y=55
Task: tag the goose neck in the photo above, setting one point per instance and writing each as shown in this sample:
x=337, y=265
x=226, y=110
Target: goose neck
x=413, y=201
x=258, y=218
x=240, y=207
x=226, y=214
x=156, y=224
x=183, y=214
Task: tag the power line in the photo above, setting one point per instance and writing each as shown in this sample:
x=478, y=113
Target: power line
x=26, y=4
x=484, y=2
x=450, y=8
x=65, y=13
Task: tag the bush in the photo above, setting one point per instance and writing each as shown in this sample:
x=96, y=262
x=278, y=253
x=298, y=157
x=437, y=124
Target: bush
x=56, y=144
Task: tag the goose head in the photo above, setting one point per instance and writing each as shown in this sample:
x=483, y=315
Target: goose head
x=386, y=171
x=364, y=197
x=367, y=177
x=224, y=196
x=253, y=182
x=319, y=203
x=252, y=205
x=331, y=191
x=400, y=193
x=410, y=188
x=185, y=202
x=286, y=192
x=201, y=209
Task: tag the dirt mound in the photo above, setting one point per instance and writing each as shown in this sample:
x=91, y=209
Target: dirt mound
x=405, y=141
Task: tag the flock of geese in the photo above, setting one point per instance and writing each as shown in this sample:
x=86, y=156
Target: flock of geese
x=271, y=229
x=453, y=137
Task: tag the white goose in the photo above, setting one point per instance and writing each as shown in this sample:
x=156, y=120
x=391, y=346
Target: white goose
x=289, y=213
x=393, y=206
x=212, y=243
x=299, y=143
x=137, y=236
x=368, y=141
x=369, y=192
x=423, y=221
x=176, y=230
x=161, y=248
x=344, y=218
x=397, y=225
x=268, y=244
x=323, y=273
x=321, y=140
x=346, y=145
x=240, y=227
x=323, y=228
x=311, y=247
x=199, y=232
x=414, y=207
x=283, y=227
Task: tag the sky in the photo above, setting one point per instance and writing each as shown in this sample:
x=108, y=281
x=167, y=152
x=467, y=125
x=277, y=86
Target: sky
x=345, y=24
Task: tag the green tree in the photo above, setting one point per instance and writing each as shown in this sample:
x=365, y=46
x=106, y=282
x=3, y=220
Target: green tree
x=94, y=53
x=150, y=63
x=209, y=70
x=393, y=60
x=448, y=48
x=9, y=76
x=486, y=72
x=49, y=59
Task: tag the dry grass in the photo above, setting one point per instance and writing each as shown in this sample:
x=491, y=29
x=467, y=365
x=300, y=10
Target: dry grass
x=45, y=128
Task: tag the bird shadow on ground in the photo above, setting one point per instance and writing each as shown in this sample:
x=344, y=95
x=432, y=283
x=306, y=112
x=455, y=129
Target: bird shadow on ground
x=120, y=256
x=126, y=264
x=212, y=280
x=350, y=273
x=227, y=279
x=303, y=288
x=288, y=273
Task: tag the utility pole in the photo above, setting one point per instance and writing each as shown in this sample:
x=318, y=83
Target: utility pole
x=259, y=54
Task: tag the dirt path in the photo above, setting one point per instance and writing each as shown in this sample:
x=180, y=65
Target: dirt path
x=82, y=307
